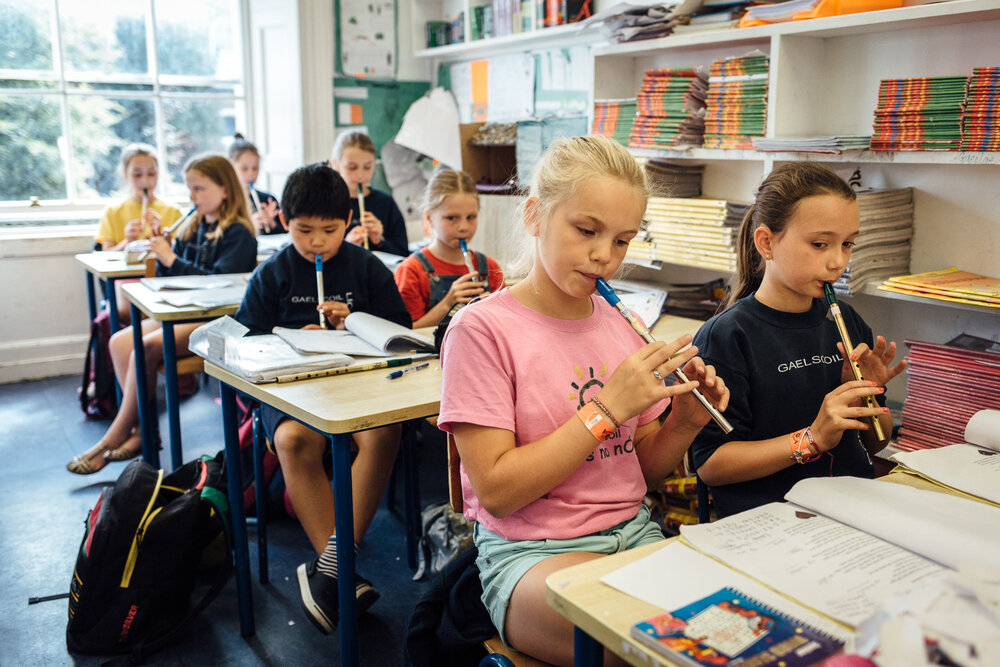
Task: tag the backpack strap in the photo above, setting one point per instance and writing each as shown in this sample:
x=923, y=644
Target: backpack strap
x=428, y=267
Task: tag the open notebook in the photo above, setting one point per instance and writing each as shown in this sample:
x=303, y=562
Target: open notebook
x=365, y=335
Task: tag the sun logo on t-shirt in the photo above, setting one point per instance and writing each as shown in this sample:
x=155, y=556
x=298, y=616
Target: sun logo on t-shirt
x=587, y=384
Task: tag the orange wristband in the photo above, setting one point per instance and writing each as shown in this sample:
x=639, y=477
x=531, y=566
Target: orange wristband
x=596, y=421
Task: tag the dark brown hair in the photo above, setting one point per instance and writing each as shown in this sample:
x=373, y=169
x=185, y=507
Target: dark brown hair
x=240, y=146
x=777, y=199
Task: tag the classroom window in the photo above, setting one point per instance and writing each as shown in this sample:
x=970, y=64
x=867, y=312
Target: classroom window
x=81, y=79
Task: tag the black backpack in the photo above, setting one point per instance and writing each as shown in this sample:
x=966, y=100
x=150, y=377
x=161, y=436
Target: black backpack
x=97, y=389
x=149, y=539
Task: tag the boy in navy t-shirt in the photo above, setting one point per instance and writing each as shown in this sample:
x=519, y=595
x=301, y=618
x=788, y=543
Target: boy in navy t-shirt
x=282, y=292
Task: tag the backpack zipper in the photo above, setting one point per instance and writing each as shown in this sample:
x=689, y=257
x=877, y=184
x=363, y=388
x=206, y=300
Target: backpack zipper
x=147, y=517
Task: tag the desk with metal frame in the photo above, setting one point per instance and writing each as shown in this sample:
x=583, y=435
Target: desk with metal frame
x=335, y=406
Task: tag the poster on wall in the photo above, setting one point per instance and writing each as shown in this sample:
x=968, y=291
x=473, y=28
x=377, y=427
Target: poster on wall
x=367, y=38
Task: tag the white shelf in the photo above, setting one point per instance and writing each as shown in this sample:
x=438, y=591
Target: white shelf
x=884, y=157
x=873, y=290
x=545, y=38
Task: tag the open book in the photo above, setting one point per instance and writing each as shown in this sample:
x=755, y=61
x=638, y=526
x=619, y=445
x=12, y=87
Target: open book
x=730, y=627
x=366, y=335
x=972, y=467
x=257, y=358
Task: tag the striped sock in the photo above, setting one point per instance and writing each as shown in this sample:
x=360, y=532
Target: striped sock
x=327, y=563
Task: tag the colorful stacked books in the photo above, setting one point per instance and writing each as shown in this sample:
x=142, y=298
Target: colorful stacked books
x=691, y=232
x=919, y=114
x=614, y=119
x=670, y=109
x=882, y=248
x=948, y=285
x=678, y=500
x=674, y=180
x=981, y=118
x=946, y=385
x=736, y=106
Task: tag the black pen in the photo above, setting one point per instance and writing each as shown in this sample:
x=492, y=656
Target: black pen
x=396, y=374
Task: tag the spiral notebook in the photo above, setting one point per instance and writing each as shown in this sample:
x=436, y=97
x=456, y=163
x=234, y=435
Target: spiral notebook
x=729, y=627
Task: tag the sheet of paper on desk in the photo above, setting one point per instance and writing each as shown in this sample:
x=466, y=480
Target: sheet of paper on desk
x=972, y=467
x=677, y=575
x=205, y=298
x=195, y=282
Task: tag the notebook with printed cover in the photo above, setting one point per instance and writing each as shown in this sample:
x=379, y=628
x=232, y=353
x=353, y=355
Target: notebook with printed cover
x=731, y=628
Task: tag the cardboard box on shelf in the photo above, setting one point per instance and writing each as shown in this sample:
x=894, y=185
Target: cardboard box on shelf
x=492, y=165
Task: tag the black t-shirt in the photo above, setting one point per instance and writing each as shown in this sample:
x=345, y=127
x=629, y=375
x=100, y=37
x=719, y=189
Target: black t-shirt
x=383, y=207
x=778, y=366
x=282, y=291
x=234, y=252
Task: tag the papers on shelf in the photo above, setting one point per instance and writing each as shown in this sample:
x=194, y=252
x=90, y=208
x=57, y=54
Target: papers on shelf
x=971, y=467
x=644, y=300
x=257, y=358
x=825, y=144
x=366, y=335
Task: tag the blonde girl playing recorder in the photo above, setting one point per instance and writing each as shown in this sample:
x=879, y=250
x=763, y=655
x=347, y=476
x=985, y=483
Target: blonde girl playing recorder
x=433, y=279
x=219, y=239
x=553, y=401
x=797, y=410
x=121, y=223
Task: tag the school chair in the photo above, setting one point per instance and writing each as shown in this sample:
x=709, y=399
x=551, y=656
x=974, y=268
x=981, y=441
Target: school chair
x=493, y=645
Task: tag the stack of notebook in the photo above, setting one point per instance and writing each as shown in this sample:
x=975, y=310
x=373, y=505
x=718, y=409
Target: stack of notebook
x=981, y=118
x=829, y=144
x=674, y=180
x=948, y=285
x=737, y=101
x=919, y=114
x=882, y=249
x=691, y=232
x=946, y=385
x=614, y=119
x=671, y=109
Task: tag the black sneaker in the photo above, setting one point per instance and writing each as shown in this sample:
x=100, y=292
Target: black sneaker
x=319, y=596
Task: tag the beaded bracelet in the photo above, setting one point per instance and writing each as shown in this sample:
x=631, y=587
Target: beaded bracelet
x=800, y=452
x=596, y=421
x=598, y=403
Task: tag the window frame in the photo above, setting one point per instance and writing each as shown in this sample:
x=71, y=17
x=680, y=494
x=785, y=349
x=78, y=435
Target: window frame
x=51, y=211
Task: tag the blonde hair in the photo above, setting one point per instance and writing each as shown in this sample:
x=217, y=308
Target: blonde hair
x=352, y=139
x=565, y=166
x=444, y=184
x=219, y=170
x=133, y=150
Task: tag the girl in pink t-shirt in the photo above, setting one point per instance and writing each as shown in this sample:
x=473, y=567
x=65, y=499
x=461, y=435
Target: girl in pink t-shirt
x=553, y=400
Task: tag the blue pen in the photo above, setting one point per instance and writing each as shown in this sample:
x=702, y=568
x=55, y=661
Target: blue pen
x=398, y=374
x=609, y=295
x=319, y=285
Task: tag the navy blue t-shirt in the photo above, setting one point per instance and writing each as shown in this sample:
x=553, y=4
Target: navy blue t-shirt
x=282, y=291
x=234, y=252
x=383, y=207
x=778, y=366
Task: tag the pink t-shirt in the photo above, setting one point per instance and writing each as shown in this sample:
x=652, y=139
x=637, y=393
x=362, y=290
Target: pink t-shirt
x=507, y=366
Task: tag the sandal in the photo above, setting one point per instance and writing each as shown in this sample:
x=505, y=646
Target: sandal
x=122, y=454
x=81, y=466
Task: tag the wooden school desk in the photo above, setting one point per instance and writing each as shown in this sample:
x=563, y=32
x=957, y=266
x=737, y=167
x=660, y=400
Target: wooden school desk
x=109, y=266
x=335, y=406
x=147, y=301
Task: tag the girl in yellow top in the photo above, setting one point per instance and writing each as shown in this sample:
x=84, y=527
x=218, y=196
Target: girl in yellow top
x=121, y=222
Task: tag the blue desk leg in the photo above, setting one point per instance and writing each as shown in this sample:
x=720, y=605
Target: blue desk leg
x=114, y=323
x=233, y=477
x=91, y=296
x=150, y=449
x=258, y=475
x=344, y=519
x=173, y=409
x=587, y=651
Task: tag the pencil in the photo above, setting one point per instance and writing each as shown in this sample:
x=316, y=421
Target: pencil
x=320, y=298
x=361, y=211
x=354, y=368
x=845, y=338
x=609, y=295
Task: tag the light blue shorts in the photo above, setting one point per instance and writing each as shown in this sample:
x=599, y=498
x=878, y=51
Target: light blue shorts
x=502, y=562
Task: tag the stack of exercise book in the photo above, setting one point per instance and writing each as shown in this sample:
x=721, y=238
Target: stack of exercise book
x=826, y=144
x=736, y=106
x=951, y=284
x=946, y=385
x=696, y=300
x=670, y=109
x=919, y=114
x=981, y=118
x=691, y=232
x=882, y=248
x=614, y=119
x=677, y=499
x=675, y=180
